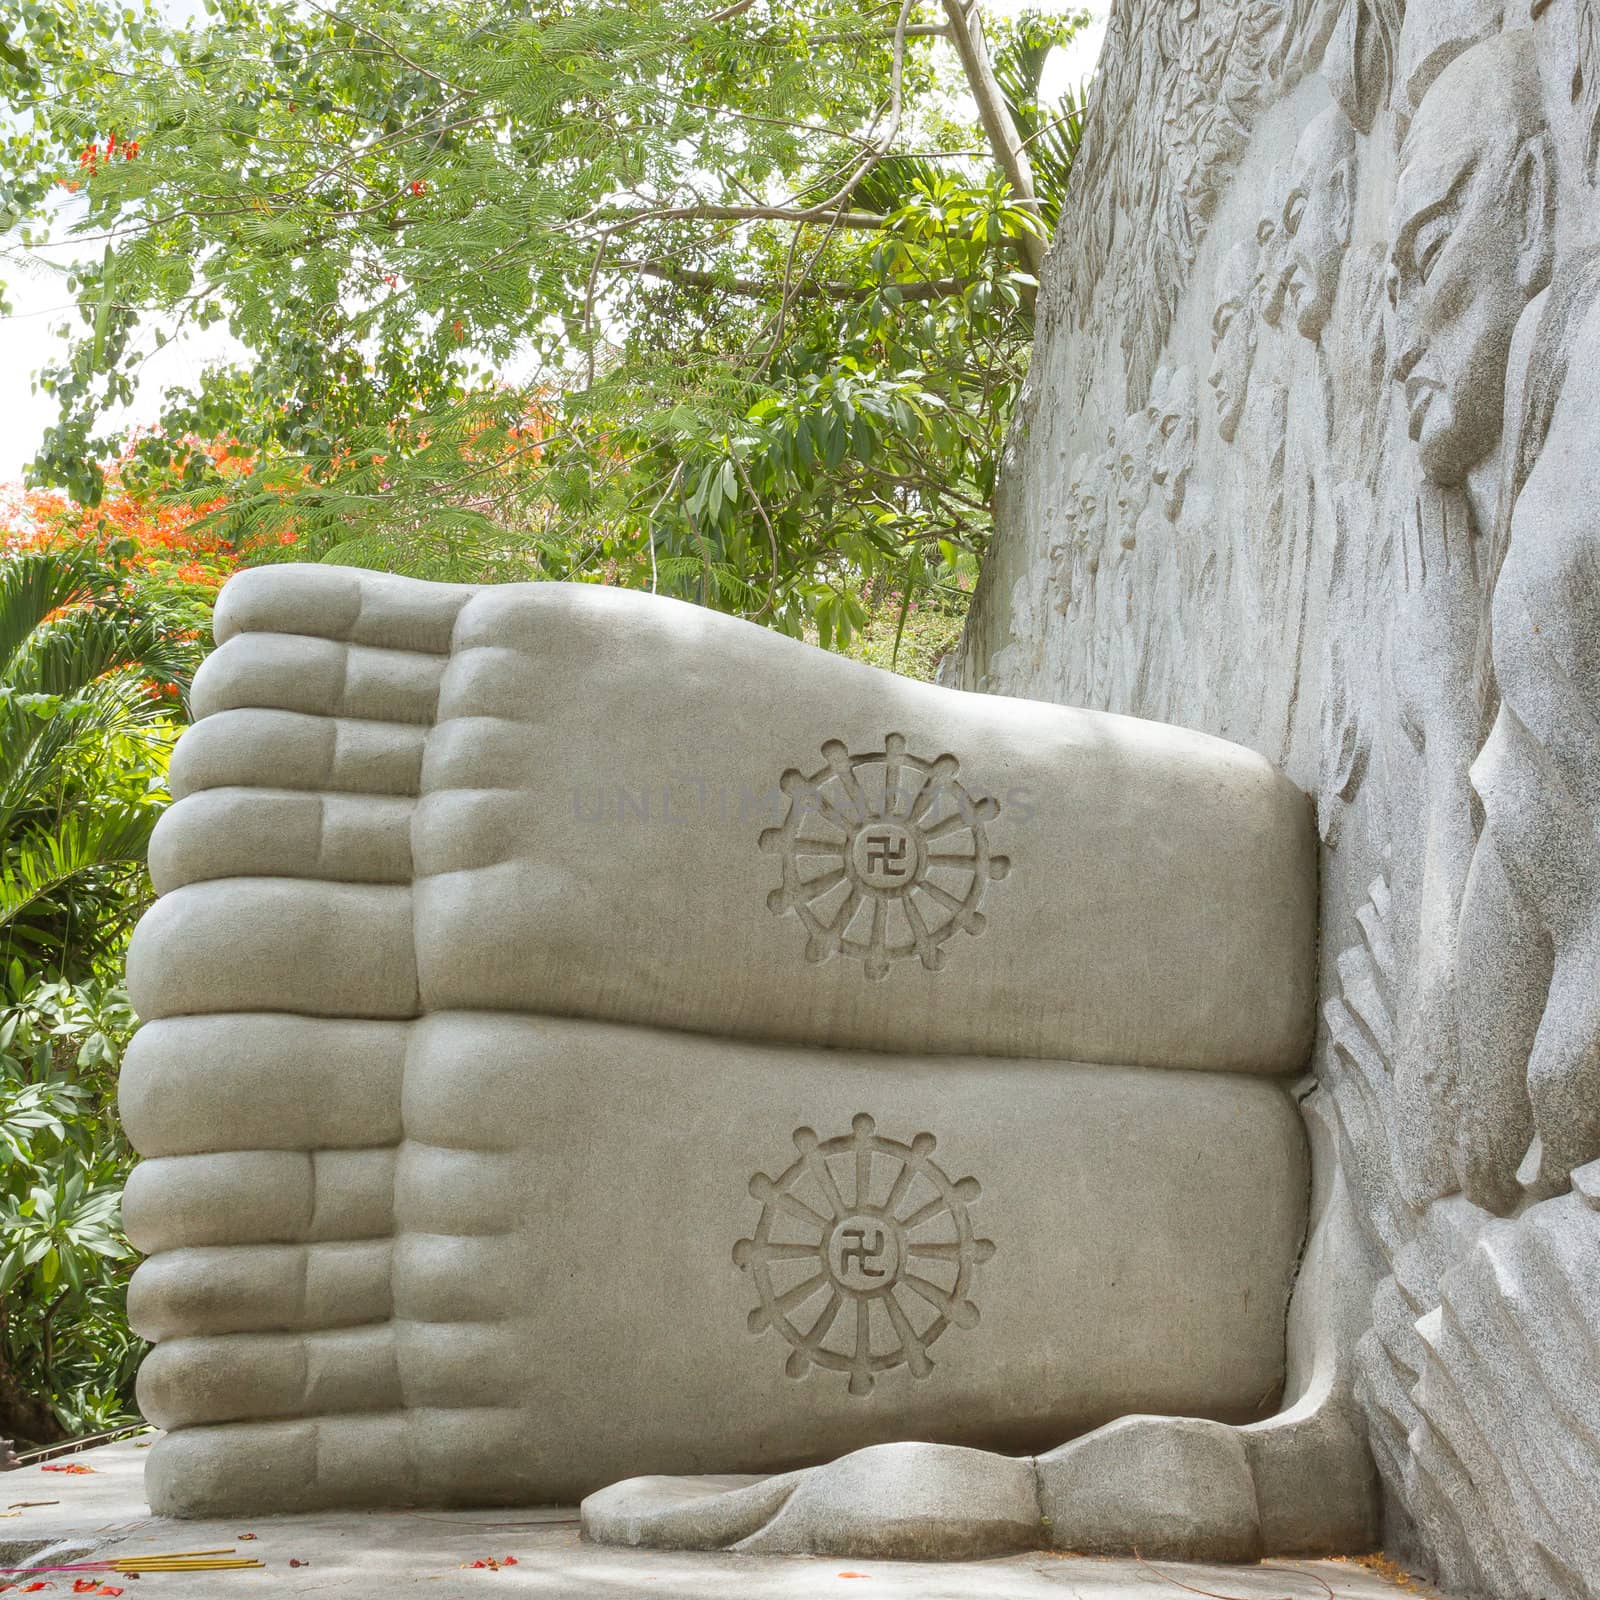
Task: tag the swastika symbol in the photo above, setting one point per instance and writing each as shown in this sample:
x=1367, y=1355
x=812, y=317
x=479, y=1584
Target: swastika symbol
x=860, y=1253
x=885, y=856
x=865, y=1254
x=885, y=853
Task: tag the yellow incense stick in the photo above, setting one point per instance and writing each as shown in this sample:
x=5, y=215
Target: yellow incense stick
x=203, y=1564
x=208, y=1561
x=219, y=1566
x=157, y=1561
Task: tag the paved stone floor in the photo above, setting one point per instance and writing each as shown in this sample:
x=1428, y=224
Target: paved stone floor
x=354, y=1555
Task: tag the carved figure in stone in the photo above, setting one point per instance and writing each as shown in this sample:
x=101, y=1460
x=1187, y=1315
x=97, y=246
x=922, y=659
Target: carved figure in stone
x=1359, y=62
x=1151, y=576
x=1252, y=416
x=1093, y=531
x=1159, y=211
x=1202, y=554
x=1307, y=29
x=1344, y=742
x=1161, y=562
x=1355, y=347
x=1472, y=244
x=1061, y=579
x=1014, y=664
x=1097, y=505
x=1535, y=870
x=1066, y=554
x=1173, y=425
x=1432, y=36
x=1567, y=44
x=1134, y=491
x=1197, y=96
x=1344, y=388
x=1319, y=214
x=1502, y=1469
x=1209, y=70
x=1236, y=52
x=1274, y=262
x=1413, y=595
x=1180, y=101
x=1233, y=337
x=1273, y=535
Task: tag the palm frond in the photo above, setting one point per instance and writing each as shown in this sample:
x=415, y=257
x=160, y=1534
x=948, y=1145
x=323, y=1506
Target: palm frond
x=91, y=670
x=893, y=182
x=1050, y=129
x=66, y=654
x=40, y=865
x=35, y=584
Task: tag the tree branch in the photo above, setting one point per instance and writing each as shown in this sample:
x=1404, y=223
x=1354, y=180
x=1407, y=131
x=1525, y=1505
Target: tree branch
x=760, y=288
x=728, y=13
x=966, y=32
x=772, y=537
x=832, y=210
x=918, y=30
x=389, y=48
x=713, y=213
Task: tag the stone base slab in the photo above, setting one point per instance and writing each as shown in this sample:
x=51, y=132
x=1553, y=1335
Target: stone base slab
x=357, y=1555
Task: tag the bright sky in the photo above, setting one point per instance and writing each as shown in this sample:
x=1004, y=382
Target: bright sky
x=41, y=304
x=1068, y=68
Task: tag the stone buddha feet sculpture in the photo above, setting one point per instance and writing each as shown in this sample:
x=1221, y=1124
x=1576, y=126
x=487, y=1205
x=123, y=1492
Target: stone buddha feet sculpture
x=590, y=1038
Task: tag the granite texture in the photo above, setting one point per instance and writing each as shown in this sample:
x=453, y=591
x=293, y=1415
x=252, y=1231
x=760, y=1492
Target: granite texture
x=821, y=1065
x=103, y=1514
x=586, y=1258
x=1308, y=460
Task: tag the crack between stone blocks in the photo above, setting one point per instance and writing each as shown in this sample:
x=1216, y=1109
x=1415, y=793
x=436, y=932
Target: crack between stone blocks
x=1302, y=1091
x=1045, y=1526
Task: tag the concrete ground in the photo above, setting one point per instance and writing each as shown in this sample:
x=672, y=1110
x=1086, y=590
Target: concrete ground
x=356, y=1555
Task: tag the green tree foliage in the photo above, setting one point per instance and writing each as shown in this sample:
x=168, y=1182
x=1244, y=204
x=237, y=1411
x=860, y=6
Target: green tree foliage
x=728, y=303
x=91, y=674
x=67, y=1359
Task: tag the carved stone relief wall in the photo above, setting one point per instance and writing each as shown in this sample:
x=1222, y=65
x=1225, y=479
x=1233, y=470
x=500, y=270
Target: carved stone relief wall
x=1310, y=458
